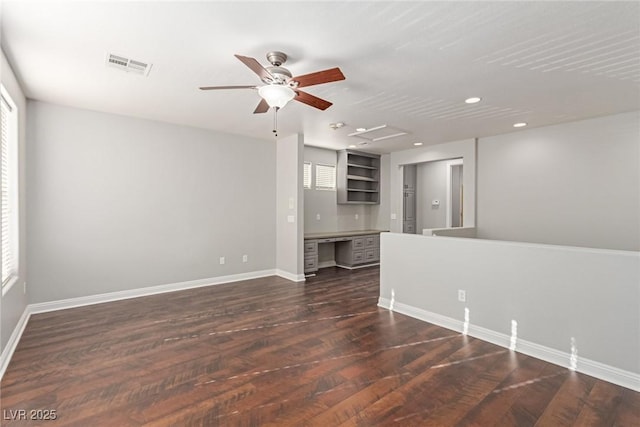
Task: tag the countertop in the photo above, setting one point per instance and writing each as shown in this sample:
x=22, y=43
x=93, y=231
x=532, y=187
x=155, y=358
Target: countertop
x=329, y=234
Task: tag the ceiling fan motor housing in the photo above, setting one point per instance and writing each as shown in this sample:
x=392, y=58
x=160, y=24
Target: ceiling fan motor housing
x=276, y=58
x=281, y=75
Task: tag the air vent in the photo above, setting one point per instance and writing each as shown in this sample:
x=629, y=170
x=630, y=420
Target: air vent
x=127, y=64
x=379, y=133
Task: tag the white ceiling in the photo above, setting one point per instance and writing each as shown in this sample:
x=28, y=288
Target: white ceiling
x=409, y=65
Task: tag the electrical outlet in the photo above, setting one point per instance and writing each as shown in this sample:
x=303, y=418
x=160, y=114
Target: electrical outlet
x=221, y=260
x=462, y=295
x=245, y=258
x=318, y=217
x=357, y=216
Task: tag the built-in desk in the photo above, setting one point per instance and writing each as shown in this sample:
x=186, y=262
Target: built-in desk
x=353, y=249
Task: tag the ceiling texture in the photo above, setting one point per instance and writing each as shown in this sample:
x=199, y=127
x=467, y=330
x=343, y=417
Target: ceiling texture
x=408, y=65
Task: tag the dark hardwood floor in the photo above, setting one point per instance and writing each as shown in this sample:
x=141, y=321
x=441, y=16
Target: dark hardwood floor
x=269, y=352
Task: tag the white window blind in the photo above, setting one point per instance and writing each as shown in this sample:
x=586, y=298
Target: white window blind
x=8, y=125
x=306, y=180
x=325, y=177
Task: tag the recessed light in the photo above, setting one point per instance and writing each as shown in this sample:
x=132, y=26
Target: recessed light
x=417, y=143
x=472, y=100
x=519, y=125
x=360, y=129
x=352, y=146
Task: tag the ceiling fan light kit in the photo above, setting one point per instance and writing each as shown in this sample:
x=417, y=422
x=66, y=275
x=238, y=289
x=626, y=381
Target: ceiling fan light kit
x=276, y=95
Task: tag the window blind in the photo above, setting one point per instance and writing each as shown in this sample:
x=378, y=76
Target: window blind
x=306, y=180
x=325, y=177
x=7, y=118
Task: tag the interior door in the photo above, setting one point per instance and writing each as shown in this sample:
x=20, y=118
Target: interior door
x=409, y=210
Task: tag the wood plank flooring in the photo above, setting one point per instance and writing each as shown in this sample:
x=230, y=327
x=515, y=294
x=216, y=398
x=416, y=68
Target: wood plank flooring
x=269, y=352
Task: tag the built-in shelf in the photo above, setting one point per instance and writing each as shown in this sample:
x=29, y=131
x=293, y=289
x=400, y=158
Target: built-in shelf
x=361, y=178
x=361, y=166
x=358, y=176
x=362, y=191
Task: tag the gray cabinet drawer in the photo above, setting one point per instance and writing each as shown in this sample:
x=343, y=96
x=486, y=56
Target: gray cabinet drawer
x=358, y=256
x=310, y=247
x=371, y=255
x=329, y=240
x=370, y=241
x=358, y=243
x=310, y=264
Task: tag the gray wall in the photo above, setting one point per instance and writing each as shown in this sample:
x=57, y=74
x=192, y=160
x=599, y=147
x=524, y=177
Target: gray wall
x=333, y=217
x=13, y=303
x=431, y=183
x=571, y=184
x=118, y=203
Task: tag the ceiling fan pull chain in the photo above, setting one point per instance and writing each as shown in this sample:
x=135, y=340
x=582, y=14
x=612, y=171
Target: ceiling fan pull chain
x=275, y=121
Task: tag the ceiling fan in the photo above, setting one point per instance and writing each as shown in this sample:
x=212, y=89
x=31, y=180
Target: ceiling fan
x=280, y=86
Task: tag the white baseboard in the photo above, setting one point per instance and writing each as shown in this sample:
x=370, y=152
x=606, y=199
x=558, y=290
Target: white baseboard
x=14, y=339
x=595, y=369
x=425, y=316
x=140, y=292
x=290, y=276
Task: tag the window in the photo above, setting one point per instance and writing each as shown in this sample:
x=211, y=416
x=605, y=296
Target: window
x=325, y=177
x=306, y=180
x=9, y=133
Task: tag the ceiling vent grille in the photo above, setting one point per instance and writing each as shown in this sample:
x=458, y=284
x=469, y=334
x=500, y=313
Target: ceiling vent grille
x=127, y=64
x=379, y=133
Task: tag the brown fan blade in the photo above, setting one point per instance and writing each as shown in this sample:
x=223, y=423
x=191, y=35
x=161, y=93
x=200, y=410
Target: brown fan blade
x=255, y=67
x=314, y=101
x=227, y=87
x=262, y=107
x=319, y=77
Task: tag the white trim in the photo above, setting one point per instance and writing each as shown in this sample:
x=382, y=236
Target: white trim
x=14, y=339
x=140, y=292
x=290, y=276
x=599, y=370
x=425, y=316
